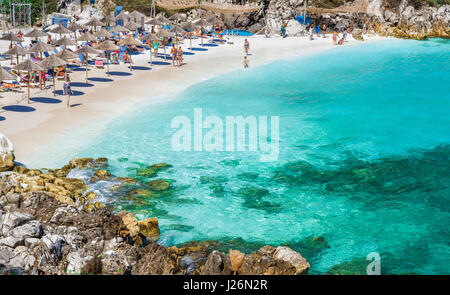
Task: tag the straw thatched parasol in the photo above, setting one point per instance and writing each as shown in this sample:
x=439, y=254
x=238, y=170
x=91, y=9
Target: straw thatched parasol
x=131, y=25
x=40, y=47
x=94, y=23
x=103, y=34
x=176, y=30
x=108, y=19
x=65, y=42
x=86, y=37
x=35, y=33
x=164, y=34
x=178, y=17
x=202, y=23
x=163, y=19
x=67, y=54
x=16, y=50
x=52, y=62
x=11, y=37
x=130, y=41
x=150, y=38
x=190, y=26
x=119, y=29
x=136, y=14
x=86, y=50
x=74, y=27
x=107, y=46
x=28, y=66
x=154, y=22
x=122, y=16
x=5, y=75
x=61, y=30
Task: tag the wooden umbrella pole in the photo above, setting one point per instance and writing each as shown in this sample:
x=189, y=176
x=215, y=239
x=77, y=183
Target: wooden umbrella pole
x=165, y=57
x=107, y=60
x=201, y=34
x=40, y=80
x=151, y=62
x=54, y=87
x=28, y=85
x=86, y=68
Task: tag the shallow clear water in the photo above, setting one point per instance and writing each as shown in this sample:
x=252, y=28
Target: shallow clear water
x=364, y=158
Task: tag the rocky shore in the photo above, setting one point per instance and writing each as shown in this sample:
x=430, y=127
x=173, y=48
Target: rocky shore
x=51, y=224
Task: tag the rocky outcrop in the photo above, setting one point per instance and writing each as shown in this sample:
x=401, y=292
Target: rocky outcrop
x=6, y=153
x=53, y=224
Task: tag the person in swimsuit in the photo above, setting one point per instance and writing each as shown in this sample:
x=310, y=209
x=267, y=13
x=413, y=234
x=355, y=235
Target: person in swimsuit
x=155, y=48
x=246, y=63
x=334, y=38
x=180, y=56
x=67, y=91
x=174, y=53
x=246, y=46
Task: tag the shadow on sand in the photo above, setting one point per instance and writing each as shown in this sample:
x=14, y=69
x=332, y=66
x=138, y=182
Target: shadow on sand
x=120, y=73
x=99, y=79
x=161, y=63
x=19, y=108
x=198, y=49
x=139, y=68
x=45, y=100
x=74, y=92
x=81, y=84
x=2, y=118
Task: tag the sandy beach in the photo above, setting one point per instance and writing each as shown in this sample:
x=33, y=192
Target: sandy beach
x=103, y=101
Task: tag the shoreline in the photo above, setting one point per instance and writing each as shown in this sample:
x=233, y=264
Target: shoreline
x=106, y=101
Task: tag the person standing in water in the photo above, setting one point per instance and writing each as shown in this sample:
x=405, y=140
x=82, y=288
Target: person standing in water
x=246, y=46
x=246, y=63
x=67, y=91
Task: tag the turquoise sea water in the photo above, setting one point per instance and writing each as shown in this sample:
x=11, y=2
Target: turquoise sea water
x=364, y=159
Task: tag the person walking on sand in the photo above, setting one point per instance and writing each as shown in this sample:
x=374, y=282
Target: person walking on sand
x=180, y=56
x=246, y=46
x=67, y=91
x=246, y=62
x=174, y=53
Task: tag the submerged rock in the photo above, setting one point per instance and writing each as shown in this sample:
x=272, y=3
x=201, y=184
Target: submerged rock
x=158, y=185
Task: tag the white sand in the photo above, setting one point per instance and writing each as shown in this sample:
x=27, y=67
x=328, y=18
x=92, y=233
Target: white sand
x=107, y=100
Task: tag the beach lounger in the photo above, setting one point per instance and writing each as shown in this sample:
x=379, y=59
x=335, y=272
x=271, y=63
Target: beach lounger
x=99, y=64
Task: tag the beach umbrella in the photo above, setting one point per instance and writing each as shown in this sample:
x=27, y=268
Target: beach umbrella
x=86, y=37
x=103, y=34
x=74, y=27
x=130, y=41
x=150, y=38
x=86, y=50
x=176, y=30
x=164, y=34
x=178, y=17
x=28, y=66
x=40, y=47
x=189, y=26
x=137, y=16
x=52, y=62
x=119, y=29
x=11, y=37
x=107, y=46
x=67, y=54
x=202, y=23
x=16, y=50
x=35, y=33
x=94, y=23
x=132, y=26
x=5, y=75
x=154, y=22
x=61, y=30
x=65, y=42
x=108, y=19
x=122, y=16
x=163, y=20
